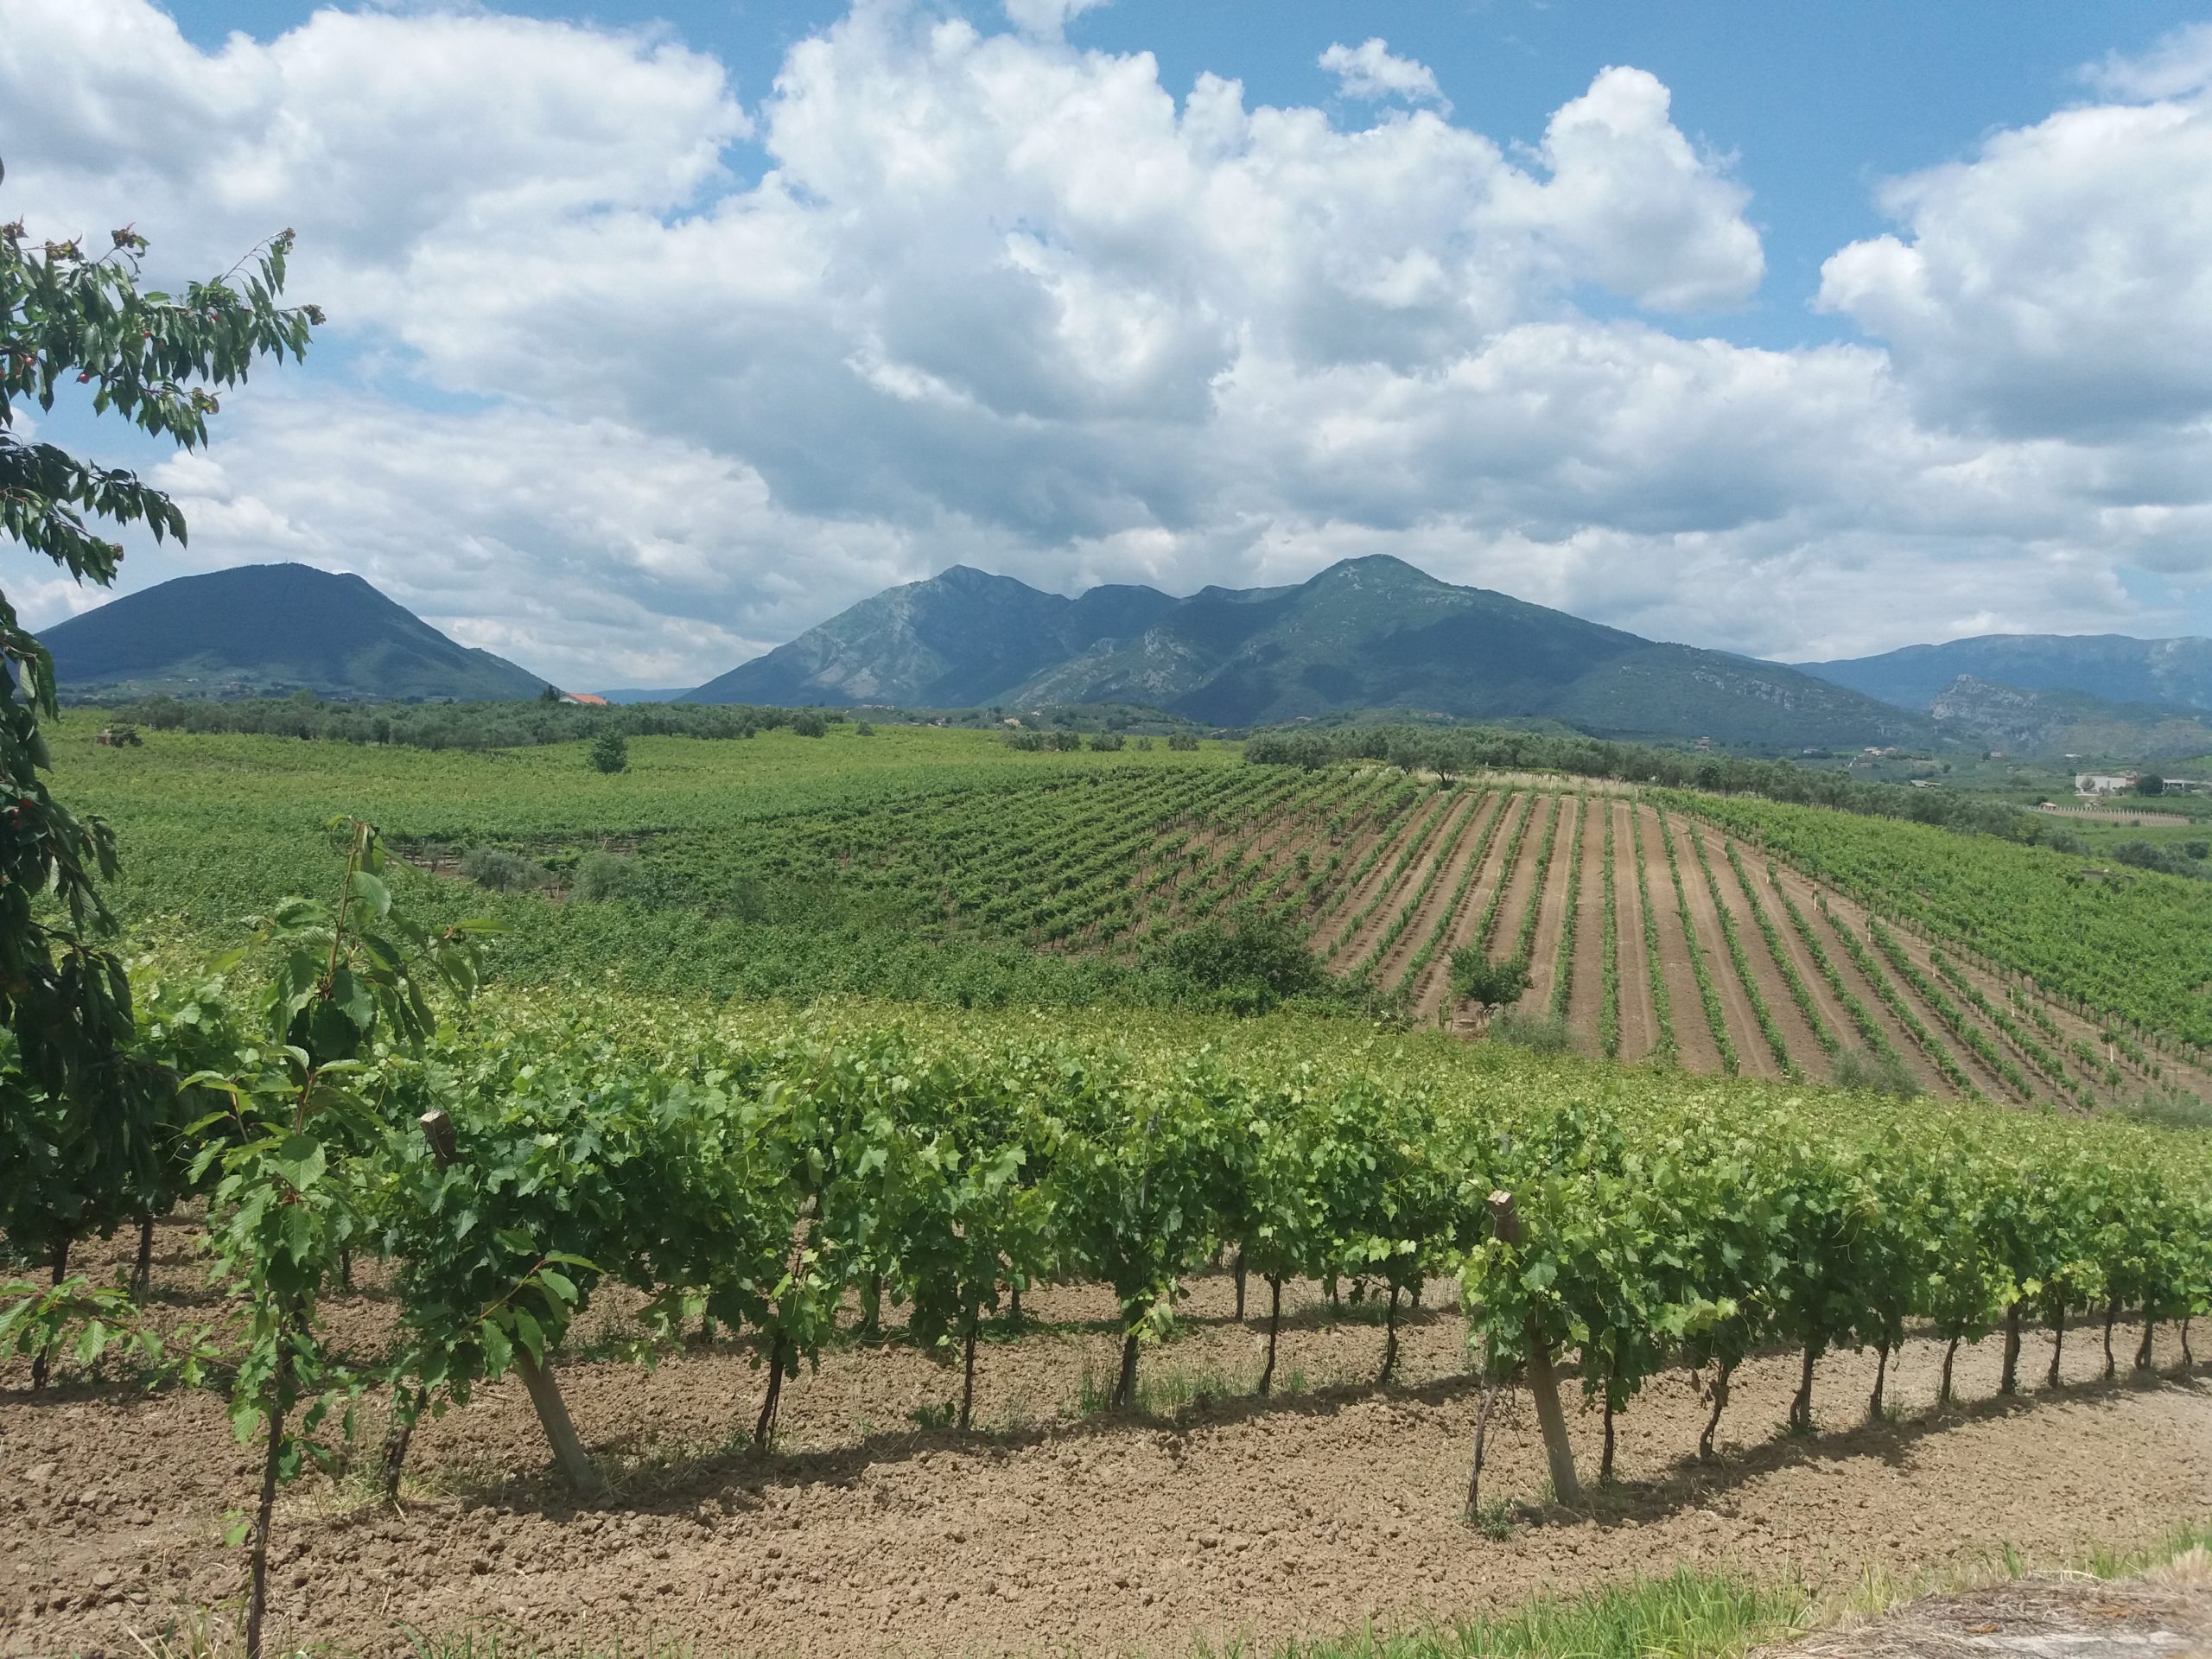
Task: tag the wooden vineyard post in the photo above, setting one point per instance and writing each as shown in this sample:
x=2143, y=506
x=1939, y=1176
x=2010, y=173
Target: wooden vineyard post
x=560, y=1433
x=1506, y=1222
x=576, y=1465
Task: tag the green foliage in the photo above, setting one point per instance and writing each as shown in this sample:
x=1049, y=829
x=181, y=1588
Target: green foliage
x=1486, y=983
x=1875, y=1073
x=502, y=871
x=602, y=876
x=1540, y=1034
x=2150, y=783
x=610, y=754
x=2133, y=947
x=82, y=1114
x=1253, y=962
x=810, y=724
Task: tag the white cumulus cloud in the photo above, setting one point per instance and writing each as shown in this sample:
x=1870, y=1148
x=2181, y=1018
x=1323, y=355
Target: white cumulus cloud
x=628, y=379
x=1371, y=70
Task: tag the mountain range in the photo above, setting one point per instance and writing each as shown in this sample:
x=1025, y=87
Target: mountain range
x=261, y=628
x=2111, y=666
x=1370, y=633
x=1365, y=633
x=2061, y=721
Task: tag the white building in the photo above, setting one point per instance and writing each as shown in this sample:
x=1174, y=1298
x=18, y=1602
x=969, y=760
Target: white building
x=2103, y=782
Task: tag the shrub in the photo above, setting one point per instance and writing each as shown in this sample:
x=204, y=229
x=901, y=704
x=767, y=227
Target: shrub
x=1106, y=742
x=1541, y=1034
x=610, y=752
x=1255, y=964
x=1144, y=744
x=1878, y=1074
x=1182, y=740
x=2149, y=855
x=2170, y=1108
x=863, y=729
x=1065, y=742
x=600, y=876
x=500, y=870
x=1488, y=984
x=2197, y=848
x=809, y=723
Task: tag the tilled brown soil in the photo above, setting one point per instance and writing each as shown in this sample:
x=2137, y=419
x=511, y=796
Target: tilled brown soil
x=1543, y=952
x=1335, y=1504
x=1639, y=1017
x=1753, y=1056
x=1585, y=1000
x=1798, y=1035
x=1472, y=903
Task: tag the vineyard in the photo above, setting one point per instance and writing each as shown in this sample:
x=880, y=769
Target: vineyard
x=398, y=1175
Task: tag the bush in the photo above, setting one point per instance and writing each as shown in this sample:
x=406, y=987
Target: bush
x=600, y=876
x=2170, y=1108
x=1065, y=742
x=1488, y=984
x=1877, y=1074
x=1182, y=740
x=610, y=752
x=1255, y=964
x=809, y=723
x=1541, y=1034
x=1143, y=745
x=1106, y=742
x=500, y=870
x=2149, y=855
x=2197, y=848
x=863, y=729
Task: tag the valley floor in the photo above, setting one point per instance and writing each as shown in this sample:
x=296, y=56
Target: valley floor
x=1053, y=1529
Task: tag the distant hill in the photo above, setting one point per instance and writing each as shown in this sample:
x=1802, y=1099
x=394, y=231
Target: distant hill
x=2109, y=665
x=2072, y=722
x=1365, y=633
x=646, y=694
x=259, y=628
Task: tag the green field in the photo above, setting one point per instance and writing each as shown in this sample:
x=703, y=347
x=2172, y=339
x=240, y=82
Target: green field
x=783, y=1039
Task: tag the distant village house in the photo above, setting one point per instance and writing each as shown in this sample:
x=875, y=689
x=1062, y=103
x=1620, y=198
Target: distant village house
x=2104, y=783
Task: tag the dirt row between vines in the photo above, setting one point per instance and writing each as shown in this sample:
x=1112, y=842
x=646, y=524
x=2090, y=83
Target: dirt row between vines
x=1469, y=829
x=1452, y=810
x=1639, y=1016
x=1400, y=834
x=1466, y=921
x=1585, y=1000
x=1336, y=1504
x=1797, y=1035
x=1754, y=1059
x=1551, y=921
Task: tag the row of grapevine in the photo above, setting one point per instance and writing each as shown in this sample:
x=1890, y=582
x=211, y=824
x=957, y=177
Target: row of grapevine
x=1745, y=978
x=1440, y=935
x=1663, y=1046
x=1563, y=959
x=1608, y=955
x=1716, y=1017
x=1778, y=952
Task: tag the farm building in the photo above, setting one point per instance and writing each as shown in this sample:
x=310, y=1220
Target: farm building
x=2103, y=782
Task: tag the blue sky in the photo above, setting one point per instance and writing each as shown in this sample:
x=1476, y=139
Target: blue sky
x=1818, y=100
x=1806, y=330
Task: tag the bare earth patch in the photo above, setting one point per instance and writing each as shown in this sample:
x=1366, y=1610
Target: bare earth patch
x=873, y=1530
x=2166, y=1614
